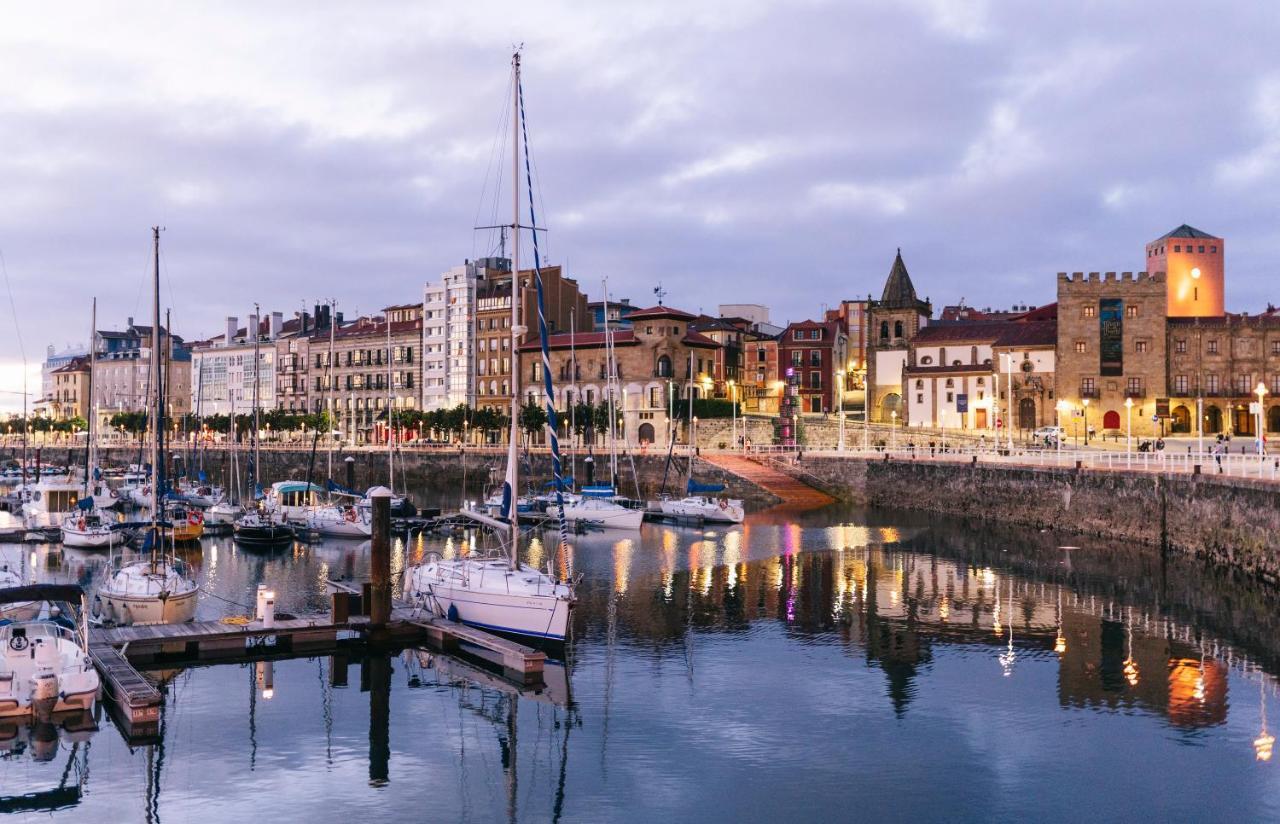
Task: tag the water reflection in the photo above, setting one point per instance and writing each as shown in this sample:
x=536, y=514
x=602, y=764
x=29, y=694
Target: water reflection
x=709, y=668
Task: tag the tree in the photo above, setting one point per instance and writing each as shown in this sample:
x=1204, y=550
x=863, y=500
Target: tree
x=533, y=418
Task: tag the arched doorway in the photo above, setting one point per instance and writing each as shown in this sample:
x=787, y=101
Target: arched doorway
x=1026, y=414
x=645, y=433
x=1181, y=419
x=664, y=366
x=1212, y=420
x=891, y=403
x=1273, y=419
x=1111, y=420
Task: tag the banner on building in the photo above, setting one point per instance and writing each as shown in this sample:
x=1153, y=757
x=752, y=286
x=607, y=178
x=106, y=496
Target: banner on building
x=1162, y=407
x=962, y=403
x=1111, y=336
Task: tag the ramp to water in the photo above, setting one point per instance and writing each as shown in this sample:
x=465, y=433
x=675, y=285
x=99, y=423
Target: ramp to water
x=795, y=494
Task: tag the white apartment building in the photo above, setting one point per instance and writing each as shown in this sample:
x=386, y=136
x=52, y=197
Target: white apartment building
x=449, y=333
x=222, y=369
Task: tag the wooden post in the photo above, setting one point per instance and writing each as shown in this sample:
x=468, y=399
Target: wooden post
x=380, y=561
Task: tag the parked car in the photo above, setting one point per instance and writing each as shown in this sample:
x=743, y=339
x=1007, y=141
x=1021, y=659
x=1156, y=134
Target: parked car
x=1048, y=433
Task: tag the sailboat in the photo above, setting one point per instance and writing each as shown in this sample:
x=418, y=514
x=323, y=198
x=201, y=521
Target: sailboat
x=261, y=527
x=222, y=515
x=158, y=589
x=700, y=500
x=500, y=593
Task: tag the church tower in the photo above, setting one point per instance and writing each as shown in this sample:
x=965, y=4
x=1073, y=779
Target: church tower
x=1193, y=262
x=892, y=323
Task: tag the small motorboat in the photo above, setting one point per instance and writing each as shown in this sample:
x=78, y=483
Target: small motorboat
x=45, y=668
x=263, y=529
x=709, y=509
x=340, y=522
x=186, y=522
x=92, y=529
x=600, y=512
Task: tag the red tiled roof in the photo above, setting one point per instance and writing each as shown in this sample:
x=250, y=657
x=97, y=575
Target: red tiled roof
x=622, y=337
x=660, y=312
x=980, y=368
x=996, y=332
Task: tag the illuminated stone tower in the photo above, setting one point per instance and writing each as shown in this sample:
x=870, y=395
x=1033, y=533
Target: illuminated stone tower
x=1193, y=261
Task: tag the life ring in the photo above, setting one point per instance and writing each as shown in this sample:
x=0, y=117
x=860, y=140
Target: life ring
x=724, y=503
x=350, y=515
x=80, y=524
x=193, y=518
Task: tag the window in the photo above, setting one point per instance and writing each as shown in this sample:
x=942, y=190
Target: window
x=950, y=383
x=760, y=355
x=919, y=384
x=1131, y=311
x=815, y=404
x=798, y=334
x=919, y=398
x=1212, y=347
x=926, y=360
x=981, y=382
x=648, y=330
x=897, y=328
x=1087, y=388
x=1134, y=389
x=1177, y=247
x=815, y=357
x=884, y=329
x=1213, y=250
x=797, y=357
x=1140, y=346
x=815, y=380
x=1211, y=384
x=1275, y=347
x=1180, y=384
x=1180, y=346
x=951, y=396
x=1089, y=311
x=1200, y=249
x=1244, y=384
x=1080, y=347
x=1275, y=383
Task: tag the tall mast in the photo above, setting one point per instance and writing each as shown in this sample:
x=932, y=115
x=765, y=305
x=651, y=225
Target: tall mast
x=257, y=454
x=391, y=427
x=157, y=415
x=512, y=446
x=608, y=388
x=91, y=452
x=572, y=404
x=692, y=445
x=328, y=387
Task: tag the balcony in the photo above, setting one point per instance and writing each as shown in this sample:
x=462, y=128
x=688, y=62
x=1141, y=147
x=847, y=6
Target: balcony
x=1093, y=394
x=1134, y=393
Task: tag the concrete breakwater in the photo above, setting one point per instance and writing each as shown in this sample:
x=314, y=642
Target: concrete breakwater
x=469, y=472
x=1229, y=521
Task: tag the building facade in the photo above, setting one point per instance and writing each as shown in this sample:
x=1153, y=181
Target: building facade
x=813, y=358
x=122, y=377
x=449, y=332
x=892, y=322
x=564, y=307
x=69, y=393
x=658, y=362
x=374, y=369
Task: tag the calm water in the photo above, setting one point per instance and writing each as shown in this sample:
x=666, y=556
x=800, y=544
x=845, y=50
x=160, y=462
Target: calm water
x=842, y=667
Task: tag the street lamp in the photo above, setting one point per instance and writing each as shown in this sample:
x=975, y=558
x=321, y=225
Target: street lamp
x=893, y=429
x=1261, y=392
x=1062, y=406
x=733, y=414
x=840, y=390
x=1128, y=431
x=1085, y=403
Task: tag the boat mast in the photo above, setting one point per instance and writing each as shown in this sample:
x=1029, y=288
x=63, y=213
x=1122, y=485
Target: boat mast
x=572, y=400
x=610, y=368
x=391, y=427
x=157, y=413
x=90, y=454
x=692, y=445
x=257, y=454
x=512, y=444
x=328, y=387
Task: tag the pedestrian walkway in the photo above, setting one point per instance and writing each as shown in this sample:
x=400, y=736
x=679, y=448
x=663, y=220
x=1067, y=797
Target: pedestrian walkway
x=796, y=495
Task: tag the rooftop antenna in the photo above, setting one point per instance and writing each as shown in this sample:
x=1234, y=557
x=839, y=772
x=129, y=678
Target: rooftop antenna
x=660, y=292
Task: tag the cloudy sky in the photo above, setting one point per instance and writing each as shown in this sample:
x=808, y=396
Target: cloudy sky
x=733, y=150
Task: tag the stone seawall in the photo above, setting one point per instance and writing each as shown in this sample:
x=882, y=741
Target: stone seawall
x=470, y=472
x=1233, y=522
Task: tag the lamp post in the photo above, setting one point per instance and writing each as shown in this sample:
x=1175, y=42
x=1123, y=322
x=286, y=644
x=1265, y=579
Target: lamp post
x=1200, y=425
x=1261, y=392
x=1062, y=406
x=1085, y=403
x=893, y=429
x=733, y=415
x=840, y=390
x=1128, y=431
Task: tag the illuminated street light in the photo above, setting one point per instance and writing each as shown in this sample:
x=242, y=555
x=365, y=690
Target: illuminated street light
x=1128, y=431
x=1085, y=403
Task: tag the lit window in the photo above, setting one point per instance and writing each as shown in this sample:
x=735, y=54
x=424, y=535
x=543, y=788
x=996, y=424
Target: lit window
x=1131, y=311
x=1212, y=347
x=1090, y=311
x=1080, y=347
x=1140, y=346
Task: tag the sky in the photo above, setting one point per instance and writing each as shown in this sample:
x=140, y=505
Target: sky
x=729, y=150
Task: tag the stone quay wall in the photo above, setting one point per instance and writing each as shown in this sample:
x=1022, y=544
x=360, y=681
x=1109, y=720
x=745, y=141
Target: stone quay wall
x=471, y=472
x=1229, y=521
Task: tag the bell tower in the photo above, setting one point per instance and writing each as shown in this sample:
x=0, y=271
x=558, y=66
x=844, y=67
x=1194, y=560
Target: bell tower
x=1193, y=262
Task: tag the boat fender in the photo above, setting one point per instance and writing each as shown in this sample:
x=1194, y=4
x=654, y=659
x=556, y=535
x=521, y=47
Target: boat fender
x=453, y=613
x=97, y=607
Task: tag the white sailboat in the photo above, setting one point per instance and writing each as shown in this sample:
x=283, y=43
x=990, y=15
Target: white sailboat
x=500, y=593
x=159, y=589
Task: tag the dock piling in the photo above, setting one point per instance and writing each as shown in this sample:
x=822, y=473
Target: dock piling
x=380, y=562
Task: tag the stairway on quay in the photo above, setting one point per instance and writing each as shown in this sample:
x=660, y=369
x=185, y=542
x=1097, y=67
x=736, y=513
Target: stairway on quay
x=796, y=495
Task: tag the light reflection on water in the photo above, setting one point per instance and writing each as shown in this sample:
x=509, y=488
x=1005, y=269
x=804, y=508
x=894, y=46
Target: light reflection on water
x=767, y=672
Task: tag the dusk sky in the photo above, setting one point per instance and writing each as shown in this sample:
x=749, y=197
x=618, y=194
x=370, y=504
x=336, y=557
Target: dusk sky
x=740, y=151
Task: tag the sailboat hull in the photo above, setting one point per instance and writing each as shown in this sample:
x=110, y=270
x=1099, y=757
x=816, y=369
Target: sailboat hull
x=133, y=610
x=531, y=617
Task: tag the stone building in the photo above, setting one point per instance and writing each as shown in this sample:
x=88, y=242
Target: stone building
x=565, y=307
x=761, y=381
x=1215, y=367
x=1192, y=261
x=659, y=360
x=1111, y=348
x=122, y=378
x=892, y=323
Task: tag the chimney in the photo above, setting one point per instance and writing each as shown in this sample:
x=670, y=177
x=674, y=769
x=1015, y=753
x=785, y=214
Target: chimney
x=232, y=325
x=130, y=322
x=338, y=319
x=252, y=328
x=277, y=323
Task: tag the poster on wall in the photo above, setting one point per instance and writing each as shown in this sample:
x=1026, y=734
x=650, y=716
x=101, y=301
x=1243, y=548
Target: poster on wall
x=1111, y=336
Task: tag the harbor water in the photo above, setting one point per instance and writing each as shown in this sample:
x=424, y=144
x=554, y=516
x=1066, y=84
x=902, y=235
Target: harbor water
x=825, y=666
